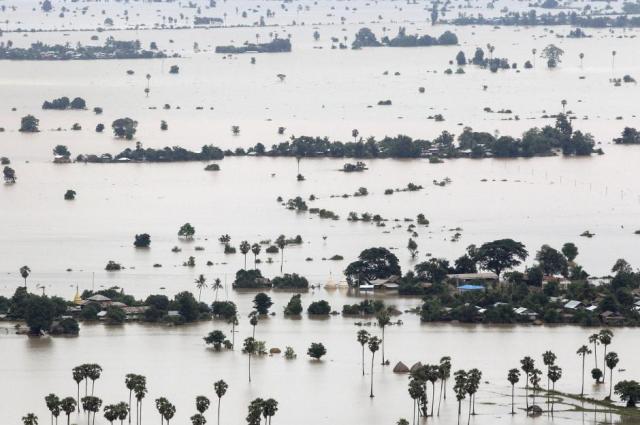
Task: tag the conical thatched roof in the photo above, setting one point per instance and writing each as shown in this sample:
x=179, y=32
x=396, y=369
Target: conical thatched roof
x=400, y=368
x=415, y=366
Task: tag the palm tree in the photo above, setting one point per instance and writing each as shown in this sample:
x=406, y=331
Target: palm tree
x=93, y=372
x=123, y=411
x=554, y=374
x=234, y=322
x=444, y=372
x=549, y=359
x=30, y=419
x=432, y=376
x=374, y=345
x=91, y=404
x=169, y=412
x=147, y=90
x=78, y=376
x=161, y=404
x=513, y=377
x=473, y=383
x=269, y=409
x=613, y=59
x=583, y=351
x=245, y=247
x=201, y=282
x=534, y=378
x=527, y=366
x=563, y=102
x=611, y=360
x=198, y=419
x=253, y=321
x=53, y=404
x=415, y=392
x=533, y=52
x=220, y=388
x=202, y=404
x=140, y=390
x=383, y=320
x=111, y=413
x=281, y=242
x=68, y=406
x=255, y=250
x=25, y=271
x=354, y=134
x=460, y=388
x=249, y=347
x=594, y=339
x=363, y=338
x=605, y=336
x=581, y=56
x=130, y=381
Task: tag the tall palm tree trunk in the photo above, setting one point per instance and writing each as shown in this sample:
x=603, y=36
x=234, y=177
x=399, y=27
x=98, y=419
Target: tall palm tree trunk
x=469, y=416
x=604, y=365
x=582, y=389
x=78, y=400
x=219, y=401
x=372, y=357
x=382, y=346
x=513, y=390
x=129, y=406
x=610, y=381
x=363, y=360
x=433, y=396
x=440, y=396
x=249, y=367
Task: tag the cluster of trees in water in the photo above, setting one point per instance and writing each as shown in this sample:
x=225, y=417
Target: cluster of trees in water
x=531, y=18
x=630, y=136
x=63, y=103
x=366, y=38
x=136, y=386
x=112, y=49
x=277, y=45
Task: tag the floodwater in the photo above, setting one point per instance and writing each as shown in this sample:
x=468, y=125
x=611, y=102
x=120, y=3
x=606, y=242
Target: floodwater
x=325, y=93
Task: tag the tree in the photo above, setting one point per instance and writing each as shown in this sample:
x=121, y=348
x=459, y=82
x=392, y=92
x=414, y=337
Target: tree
x=198, y=419
x=281, y=242
x=123, y=411
x=142, y=240
x=434, y=270
x=553, y=54
x=78, y=376
x=570, y=250
x=383, y=319
x=319, y=308
x=220, y=388
x=552, y=261
x=549, y=359
x=262, y=302
x=53, y=404
x=91, y=404
x=124, y=128
x=202, y=404
x=444, y=373
x=294, y=306
x=201, y=282
x=187, y=231
x=25, y=271
x=93, y=372
x=187, y=306
x=168, y=412
x=245, y=247
x=39, y=314
x=9, y=174
x=374, y=345
x=217, y=284
x=255, y=250
x=46, y=6
x=253, y=321
x=29, y=124
x=474, y=376
x=528, y=366
x=554, y=374
x=30, y=419
x=513, y=377
x=605, y=336
x=460, y=388
x=111, y=413
x=269, y=409
x=131, y=381
x=416, y=392
x=217, y=338
x=412, y=246
x=432, y=375
x=316, y=350
x=628, y=391
x=611, y=361
x=500, y=255
x=61, y=150
x=140, y=391
x=596, y=374
x=363, y=339
x=594, y=339
x=250, y=346
x=372, y=263
x=70, y=195
x=68, y=406
x=583, y=351
x=581, y=56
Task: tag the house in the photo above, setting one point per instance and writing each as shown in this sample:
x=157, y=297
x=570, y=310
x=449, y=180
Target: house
x=525, y=312
x=473, y=277
x=611, y=318
x=573, y=305
x=100, y=300
x=134, y=313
